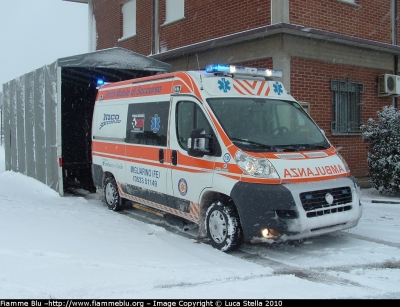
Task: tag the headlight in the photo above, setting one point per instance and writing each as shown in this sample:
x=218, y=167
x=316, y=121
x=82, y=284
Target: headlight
x=255, y=167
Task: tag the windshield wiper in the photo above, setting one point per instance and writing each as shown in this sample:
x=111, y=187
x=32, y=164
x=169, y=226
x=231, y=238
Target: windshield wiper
x=298, y=147
x=259, y=146
x=315, y=146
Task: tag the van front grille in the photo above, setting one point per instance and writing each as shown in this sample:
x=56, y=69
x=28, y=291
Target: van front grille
x=322, y=202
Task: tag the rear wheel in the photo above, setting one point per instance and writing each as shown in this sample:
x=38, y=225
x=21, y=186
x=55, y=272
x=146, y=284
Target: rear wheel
x=111, y=194
x=223, y=226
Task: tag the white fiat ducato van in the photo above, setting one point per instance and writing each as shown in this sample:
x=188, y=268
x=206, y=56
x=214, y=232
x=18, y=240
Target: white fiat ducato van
x=226, y=148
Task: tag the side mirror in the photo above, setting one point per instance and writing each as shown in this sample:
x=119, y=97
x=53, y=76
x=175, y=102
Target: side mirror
x=197, y=143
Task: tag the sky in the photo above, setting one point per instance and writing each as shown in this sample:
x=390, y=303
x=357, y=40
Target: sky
x=73, y=247
x=34, y=33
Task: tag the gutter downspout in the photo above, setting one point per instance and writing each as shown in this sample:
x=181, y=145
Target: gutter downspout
x=155, y=34
x=394, y=26
x=92, y=33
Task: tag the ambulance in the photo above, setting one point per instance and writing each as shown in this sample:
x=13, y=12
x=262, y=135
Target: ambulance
x=228, y=149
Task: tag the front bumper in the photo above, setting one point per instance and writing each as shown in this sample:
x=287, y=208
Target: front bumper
x=297, y=211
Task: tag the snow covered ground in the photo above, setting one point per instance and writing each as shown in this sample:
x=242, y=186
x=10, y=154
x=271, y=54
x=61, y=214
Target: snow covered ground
x=74, y=247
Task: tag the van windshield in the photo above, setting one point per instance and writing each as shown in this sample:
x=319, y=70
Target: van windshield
x=260, y=124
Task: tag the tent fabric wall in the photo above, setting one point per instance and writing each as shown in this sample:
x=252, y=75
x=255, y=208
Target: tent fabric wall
x=33, y=128
x=30, y=127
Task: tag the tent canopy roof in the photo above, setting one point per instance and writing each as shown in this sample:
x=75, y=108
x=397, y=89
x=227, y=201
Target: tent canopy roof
x=115, y=58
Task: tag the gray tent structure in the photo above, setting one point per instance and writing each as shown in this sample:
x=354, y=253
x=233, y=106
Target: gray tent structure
x=48, y=114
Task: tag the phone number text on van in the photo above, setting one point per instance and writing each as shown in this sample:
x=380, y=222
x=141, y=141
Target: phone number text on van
x=143, y=175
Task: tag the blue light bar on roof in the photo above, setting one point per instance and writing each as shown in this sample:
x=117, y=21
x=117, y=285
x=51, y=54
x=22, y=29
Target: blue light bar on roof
x=218, y=68
x=100, y=82
x=245, y=71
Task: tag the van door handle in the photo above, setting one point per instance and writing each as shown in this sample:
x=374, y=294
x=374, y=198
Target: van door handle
x=174, y=157
x=161, y=155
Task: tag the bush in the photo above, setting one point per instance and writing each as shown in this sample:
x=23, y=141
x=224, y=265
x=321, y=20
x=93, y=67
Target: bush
x=384, y=150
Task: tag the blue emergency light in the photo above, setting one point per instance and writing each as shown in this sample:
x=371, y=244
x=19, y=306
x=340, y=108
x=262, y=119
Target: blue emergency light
x=218, y=68
x=100, y=82
x=242, y=70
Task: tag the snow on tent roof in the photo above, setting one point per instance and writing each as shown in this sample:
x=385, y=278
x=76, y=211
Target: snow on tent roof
x=116, y=58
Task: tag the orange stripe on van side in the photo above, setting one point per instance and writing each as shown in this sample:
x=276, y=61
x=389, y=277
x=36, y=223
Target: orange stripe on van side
x=99, y=154
x=230, y=167
x=140, y=90
x=187, y=169
x=142, y=152
x=132, y=160
x=184, y=160
x=229, y=175
x=110, y=91
x=108, y=148
x=140, y=80
x=189, y=80
x=154, y=77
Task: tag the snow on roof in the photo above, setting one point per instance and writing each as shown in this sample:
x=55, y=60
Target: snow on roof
x=117, y=58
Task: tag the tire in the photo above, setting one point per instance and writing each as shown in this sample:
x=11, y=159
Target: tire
x=223, y=227
x=111, y=194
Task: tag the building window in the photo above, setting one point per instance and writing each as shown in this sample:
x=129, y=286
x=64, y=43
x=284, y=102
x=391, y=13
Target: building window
x=346, y=98
x=129, y=18
x=305, y=105
x=174, y=10
x=348, y=1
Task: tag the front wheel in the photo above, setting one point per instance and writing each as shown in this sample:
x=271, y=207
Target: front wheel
x=111, y=194
x=223, y=227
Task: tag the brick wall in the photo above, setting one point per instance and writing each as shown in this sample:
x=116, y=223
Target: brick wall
x=368, y=20
x=310, y=82
x=108, y=22
x=204, y=19
x=109, y=25
x=141, y=42
x=207, y=19
x=263, y=63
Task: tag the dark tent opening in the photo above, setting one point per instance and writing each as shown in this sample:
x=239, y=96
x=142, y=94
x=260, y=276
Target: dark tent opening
x=79, y=76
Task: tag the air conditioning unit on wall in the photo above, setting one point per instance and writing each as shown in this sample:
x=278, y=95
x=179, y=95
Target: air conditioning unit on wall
x=388, y=85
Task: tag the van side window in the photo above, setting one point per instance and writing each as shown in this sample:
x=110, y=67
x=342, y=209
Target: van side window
x=147, y=123
x=188, y=117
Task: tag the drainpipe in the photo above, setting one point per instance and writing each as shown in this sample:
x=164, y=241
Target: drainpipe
x=92, y=33
x=394, y=25
x=155, y=34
